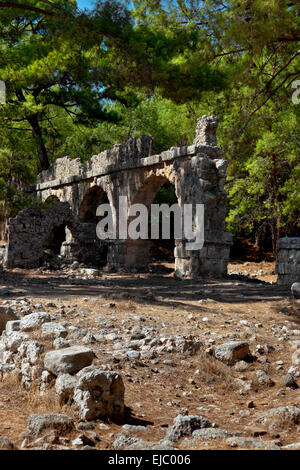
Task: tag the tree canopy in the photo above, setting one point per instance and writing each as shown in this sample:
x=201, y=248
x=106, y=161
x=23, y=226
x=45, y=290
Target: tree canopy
x=80, y=81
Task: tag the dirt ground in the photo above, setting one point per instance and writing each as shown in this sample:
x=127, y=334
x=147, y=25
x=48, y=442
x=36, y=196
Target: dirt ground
x=155, y=393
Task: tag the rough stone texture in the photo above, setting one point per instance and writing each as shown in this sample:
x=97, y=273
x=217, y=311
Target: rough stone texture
x=288, y=263
x=34, y=349
x=211, y=433
x=252, y=443
x=264, y=379
x=64, y=386
x=13, y=325
x=53, y=330
x=6, y=314
x=232, y=352
x=289, y=381
x=33, y=321
x=98, y=394
x=206, y=130
x=36, y=423
x=185, y=425
x=280, y=418
x=134, y=443
x=198, y=173
x=68, y=360
x=6, y=444
x=13, y=340
x=295, y=289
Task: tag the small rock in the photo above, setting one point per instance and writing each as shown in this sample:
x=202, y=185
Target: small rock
x=289, y=381
x=295, y=289
x=264, y=379
x=38, y=423
x=185, y=425
x=6, y=444
x=6, y=314
x=231, y=352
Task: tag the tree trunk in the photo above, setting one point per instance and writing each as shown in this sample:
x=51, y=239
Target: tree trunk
x=41, y=149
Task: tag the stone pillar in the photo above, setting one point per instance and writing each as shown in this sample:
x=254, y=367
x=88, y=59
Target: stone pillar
x=201, y=181
x=288, y=263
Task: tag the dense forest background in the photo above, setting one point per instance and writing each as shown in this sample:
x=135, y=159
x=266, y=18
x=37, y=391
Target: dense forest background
x=77, y=82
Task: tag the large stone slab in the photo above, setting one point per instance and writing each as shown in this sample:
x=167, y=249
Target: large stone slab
x=37, y=423
x=231, y=352
x=68, y=360
x=33, y=321
x=99, y=394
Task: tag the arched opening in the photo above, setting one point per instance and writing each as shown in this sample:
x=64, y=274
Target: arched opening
x=56, y=239
x=93, y=250
x=51, y=199
x=93, y=198
x=158, y=253
x=162, y=249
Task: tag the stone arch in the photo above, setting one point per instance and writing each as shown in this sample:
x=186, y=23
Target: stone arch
x=148, y=189
x=93, y=250
x=93, y=197
x=52, y=199
x=134, y=255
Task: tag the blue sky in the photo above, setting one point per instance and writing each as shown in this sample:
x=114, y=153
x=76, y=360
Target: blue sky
x=85, y=3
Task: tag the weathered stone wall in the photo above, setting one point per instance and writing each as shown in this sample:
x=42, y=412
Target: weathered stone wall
x=29, y=232
x=198, y=173
x=288, y=264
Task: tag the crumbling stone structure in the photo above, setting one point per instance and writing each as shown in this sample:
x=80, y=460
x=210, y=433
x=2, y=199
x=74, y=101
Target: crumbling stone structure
x=197, y=172
x=288, y=264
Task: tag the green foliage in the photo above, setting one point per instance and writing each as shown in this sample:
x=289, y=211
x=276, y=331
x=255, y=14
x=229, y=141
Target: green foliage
x=78, y=82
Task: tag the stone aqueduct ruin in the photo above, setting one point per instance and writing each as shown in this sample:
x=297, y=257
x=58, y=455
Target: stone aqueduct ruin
x=197, y=171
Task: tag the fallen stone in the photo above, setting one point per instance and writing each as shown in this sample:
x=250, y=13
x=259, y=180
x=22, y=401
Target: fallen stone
x=33, y=321
x=6, y=444
x=231, y=352
x=37, y=423
x=141, y=444
x=296, y=358
x=68, y=360
x=185, y=425
x=281, y=417
x=289, y=381
x=60, y=343
x=134, y=443
x=34, y=349
x=83, y=440
x=253, y=443
x=64, y=387
x=129, y=429
x=211, y=433
x=98, y=394
x=12, y=325
x=293, y=446
x=52, y=330
x=264, y=379
x=295, y=289
x=13, y=340
x=6, y=314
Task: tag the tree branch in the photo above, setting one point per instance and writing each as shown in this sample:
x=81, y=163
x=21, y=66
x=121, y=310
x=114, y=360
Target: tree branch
x=27, y=8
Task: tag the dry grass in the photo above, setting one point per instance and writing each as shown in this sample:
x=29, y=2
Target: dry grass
x=45, y=403
x=213, y=372
x=156, y=393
